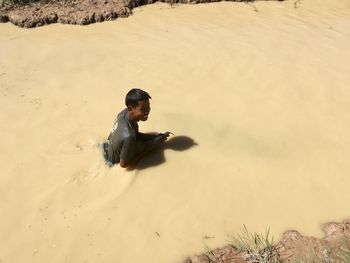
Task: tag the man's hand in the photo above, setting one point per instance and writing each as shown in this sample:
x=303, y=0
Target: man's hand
x=161, y=137
x=150, y=146
x=164, y=135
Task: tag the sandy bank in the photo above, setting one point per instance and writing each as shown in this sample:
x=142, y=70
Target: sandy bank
x=78, y=12
x=293, y=247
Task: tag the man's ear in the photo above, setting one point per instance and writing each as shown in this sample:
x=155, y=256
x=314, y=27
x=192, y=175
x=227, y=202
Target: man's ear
x=129, y=107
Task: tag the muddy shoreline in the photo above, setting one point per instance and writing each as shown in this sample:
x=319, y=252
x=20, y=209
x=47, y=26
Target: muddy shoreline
x=77, y=12
x=334, y=246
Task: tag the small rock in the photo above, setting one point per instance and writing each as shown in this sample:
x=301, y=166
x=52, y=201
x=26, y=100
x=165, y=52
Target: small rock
x=4, y=18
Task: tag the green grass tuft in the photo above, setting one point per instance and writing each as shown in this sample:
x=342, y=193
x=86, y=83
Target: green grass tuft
x=256, y=248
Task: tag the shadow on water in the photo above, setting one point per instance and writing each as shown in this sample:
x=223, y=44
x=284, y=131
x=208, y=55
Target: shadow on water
x=156, y=157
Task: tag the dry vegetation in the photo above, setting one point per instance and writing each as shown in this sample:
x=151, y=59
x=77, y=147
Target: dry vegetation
x=293, y=247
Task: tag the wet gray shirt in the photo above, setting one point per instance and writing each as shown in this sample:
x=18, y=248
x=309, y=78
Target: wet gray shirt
x=122, y=139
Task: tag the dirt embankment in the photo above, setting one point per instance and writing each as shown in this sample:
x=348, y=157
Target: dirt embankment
x=293, y=247
x=80, y=12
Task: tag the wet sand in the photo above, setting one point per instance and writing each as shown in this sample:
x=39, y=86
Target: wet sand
x=262, y=89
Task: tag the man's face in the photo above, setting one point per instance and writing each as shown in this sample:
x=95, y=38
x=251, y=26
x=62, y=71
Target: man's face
x=141, y=111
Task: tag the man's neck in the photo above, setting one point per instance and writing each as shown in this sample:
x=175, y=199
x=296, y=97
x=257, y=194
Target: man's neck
x=131, y=117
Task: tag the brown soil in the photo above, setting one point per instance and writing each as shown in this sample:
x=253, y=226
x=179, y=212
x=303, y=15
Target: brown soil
x=80, y=12
x=292, y=247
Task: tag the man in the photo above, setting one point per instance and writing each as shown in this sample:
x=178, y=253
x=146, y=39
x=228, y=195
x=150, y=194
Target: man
x=126, y=144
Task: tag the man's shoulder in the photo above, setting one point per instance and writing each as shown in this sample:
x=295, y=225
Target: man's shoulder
x=122, y=113
x=120, y=121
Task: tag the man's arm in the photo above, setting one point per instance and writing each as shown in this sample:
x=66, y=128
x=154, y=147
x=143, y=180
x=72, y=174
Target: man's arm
x=149, y=146
x=146, y=136
x=124, y=164
x=151, y=136
x=128, y=151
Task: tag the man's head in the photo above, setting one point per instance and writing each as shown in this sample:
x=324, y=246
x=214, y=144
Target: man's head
x=138, y=105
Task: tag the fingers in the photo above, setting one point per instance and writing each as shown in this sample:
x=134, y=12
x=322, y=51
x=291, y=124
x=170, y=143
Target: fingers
x=159, y=139
x=167, y=134
x=163, y=135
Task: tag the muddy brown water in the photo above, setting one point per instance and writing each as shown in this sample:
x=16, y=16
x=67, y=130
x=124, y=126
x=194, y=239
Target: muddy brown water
x=262, y=90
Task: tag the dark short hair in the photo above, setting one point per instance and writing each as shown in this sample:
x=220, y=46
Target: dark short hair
x=134, y=96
